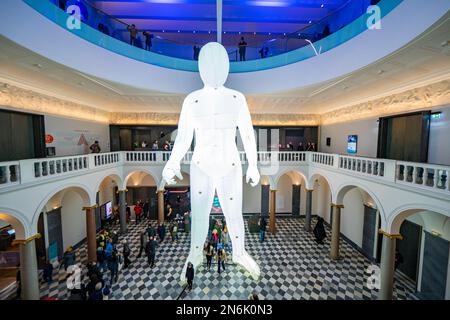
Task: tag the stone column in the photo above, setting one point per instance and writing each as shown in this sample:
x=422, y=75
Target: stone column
x=387, y=265
x=91, y=233
x=273, y=208
x=160, y=206
x=308, y=209
x=29, y=279
x=335, y=231
x=122, y=211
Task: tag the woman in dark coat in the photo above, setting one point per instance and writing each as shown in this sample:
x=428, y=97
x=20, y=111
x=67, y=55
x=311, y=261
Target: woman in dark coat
x=319, y=231
x=190, y=275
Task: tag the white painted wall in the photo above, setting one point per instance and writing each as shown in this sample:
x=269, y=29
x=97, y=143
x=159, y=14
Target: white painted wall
x=367, y=131
x=67, y=133
x=251, y=200
x=321, y=200
x=352, y=216
x=284, y=195
x=439, y=146
x=73, y=219
x=106, y=191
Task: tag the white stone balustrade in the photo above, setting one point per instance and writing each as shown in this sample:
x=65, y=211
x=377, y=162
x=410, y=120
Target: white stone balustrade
x=420, y=175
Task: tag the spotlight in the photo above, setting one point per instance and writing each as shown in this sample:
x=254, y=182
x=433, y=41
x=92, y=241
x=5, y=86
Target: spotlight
x=321, y=5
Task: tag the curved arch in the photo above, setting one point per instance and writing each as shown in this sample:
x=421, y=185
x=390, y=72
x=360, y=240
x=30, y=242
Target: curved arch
x=318, y=175
x=83, y=190
x=148, y=172
x=276, y=179
x=114, y=176
x=18, y=222
x=344, y=188
x=398, y=215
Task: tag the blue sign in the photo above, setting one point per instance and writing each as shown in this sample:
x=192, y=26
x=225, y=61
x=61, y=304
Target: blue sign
x=352, y=143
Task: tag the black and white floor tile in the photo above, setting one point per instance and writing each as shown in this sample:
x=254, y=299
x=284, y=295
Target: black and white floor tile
x=293, y=266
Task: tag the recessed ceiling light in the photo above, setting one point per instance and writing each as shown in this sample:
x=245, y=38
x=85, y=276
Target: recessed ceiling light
x=321, y=5
x=178, y=30
x=381, y=71
x=445, y=43
x=310, y=21
x=38, y=65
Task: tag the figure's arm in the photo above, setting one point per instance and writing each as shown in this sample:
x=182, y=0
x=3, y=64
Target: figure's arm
x=182, y=143
x=248, y=139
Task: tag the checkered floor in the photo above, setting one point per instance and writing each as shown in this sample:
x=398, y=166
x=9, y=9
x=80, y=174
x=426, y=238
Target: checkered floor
x=292, y=265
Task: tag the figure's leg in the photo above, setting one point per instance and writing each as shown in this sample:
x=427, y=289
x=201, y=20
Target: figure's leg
x=202, y=195
x=229, y=191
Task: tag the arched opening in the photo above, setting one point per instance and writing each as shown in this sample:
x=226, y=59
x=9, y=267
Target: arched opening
x=107, y=198
x=291, y=193
x=141, y=187
x=62, y=221
x=360, y=220
x=423, y=252
x=11, y=228
x=321, y=198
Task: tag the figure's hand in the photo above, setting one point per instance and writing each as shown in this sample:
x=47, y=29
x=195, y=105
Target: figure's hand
x=170, y=171
x=253, y=175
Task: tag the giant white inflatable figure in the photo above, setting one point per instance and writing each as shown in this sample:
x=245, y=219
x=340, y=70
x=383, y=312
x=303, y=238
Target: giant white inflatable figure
x=213, y=113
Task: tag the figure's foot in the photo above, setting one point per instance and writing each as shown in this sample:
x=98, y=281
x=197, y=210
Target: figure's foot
x=247, y=262
x=196, y=259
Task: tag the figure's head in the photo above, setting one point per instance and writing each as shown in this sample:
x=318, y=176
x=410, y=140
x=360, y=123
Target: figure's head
x=213, y=64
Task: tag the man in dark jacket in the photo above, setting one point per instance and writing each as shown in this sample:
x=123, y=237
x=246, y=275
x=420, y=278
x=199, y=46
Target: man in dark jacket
x=190, y=276
x=150, y=250
x=146, y=208
x=319, y=231
x=161, y=232
x=262, y=229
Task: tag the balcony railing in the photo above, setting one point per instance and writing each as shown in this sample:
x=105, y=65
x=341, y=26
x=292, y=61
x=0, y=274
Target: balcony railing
x=103, y=30
x=420, y=175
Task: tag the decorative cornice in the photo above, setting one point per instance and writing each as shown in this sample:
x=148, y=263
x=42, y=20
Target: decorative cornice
x=389, y=235
x=25, y=241
x=426, y=97
x=269, y=119
x=26, y=100
x=421, y=98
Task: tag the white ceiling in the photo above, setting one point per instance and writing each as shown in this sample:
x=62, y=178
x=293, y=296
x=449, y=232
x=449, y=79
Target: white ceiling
x=421, y=62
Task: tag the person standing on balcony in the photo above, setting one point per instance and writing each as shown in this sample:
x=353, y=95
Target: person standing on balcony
x=95, y=147
x=300, y=147
x=242, y=49
x=148, y=40
x=155, y=145
x=133, y=34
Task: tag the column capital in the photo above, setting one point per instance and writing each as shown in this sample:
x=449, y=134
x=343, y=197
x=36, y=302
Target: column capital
x=340, y=206
x=306, y=189
x=25, y=241
x=273, y=190
x=90, y=207
x=160, y=190
x=123, y=190
x=389, y=235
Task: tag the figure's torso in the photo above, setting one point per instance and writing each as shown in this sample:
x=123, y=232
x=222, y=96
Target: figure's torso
x=214, y=116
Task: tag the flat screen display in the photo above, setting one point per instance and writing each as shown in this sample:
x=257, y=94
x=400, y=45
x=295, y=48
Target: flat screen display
x=11, y=232
x=216, y=208
x=108, y=210
x=352, y=143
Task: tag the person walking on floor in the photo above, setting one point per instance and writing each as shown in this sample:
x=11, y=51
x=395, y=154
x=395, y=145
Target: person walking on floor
x=138, y=212
x=161, y=232
x=319, y=231
x=126, y=254
x=146, y=209
x=262, y=229
x=209, y=252
x=151, y=251
x=190, y=276
x=113, y=265
x=221, y=259
x=143, y=242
